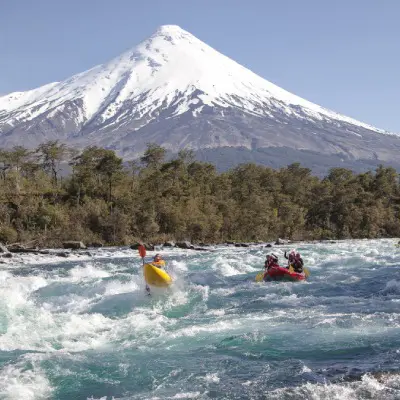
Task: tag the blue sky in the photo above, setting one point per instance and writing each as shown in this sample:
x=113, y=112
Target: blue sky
x=343, y=55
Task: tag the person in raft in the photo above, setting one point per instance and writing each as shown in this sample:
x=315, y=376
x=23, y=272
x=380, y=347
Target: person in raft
x=294, y=259
x=158, y=261
x=270, y=262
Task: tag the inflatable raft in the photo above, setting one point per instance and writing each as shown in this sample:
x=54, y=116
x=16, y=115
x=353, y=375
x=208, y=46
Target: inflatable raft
x=155, y=276
x=280, y=273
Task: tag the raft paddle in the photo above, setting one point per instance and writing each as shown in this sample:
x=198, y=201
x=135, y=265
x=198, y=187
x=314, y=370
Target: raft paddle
x=260, y=277
x=306, y=270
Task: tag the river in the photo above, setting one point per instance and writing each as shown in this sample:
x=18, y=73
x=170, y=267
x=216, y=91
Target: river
x=84, y=328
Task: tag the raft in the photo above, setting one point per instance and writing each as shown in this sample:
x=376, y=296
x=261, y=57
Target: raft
x=155, y=276
x=280, y=273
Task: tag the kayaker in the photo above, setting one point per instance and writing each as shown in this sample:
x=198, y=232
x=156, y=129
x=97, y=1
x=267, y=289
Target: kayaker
x=158, y=261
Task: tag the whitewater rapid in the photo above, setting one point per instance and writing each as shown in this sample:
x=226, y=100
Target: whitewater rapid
x=84, y=328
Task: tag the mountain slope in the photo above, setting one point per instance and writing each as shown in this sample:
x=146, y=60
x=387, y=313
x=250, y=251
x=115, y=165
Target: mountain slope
x=177, y=91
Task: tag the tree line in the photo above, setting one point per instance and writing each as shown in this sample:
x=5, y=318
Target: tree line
x=106, y=200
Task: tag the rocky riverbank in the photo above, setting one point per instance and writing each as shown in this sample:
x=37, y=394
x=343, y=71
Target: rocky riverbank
x=82, y=249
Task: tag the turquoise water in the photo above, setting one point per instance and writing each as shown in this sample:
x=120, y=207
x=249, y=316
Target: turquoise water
x=83, y=327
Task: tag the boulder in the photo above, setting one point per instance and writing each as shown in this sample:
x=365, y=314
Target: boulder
x=147, y=246
x=74, y=245
x=184, y=245
x=7, y=255
x=230, y=242
x=169, y=243
x=62, y=254
x=268, y=245
x=3, y=249
x=18, y=248
x=96, y=244
x=44, y=252
x=201, y=249
x=241, y=245
x=281, y=241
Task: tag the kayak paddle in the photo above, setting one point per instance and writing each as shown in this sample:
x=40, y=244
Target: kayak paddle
x=142, y=253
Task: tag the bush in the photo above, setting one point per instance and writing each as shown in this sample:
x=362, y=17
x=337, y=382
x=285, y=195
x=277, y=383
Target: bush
x=8, y=234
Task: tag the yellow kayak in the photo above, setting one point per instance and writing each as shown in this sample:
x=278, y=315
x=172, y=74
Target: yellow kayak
x=156, y=276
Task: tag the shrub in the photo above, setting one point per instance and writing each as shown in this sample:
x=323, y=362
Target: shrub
x=8, y=234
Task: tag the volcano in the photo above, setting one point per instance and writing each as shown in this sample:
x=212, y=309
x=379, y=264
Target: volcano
x=174, y=90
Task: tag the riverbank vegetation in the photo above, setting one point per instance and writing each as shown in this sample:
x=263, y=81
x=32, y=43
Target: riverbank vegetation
x=106, y=200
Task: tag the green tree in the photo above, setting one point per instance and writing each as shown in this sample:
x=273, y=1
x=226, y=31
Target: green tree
x=153, y=156
x=110, y=166
x=51, y=154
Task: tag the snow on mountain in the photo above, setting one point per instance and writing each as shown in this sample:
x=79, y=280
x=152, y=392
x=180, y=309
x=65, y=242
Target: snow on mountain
x=175, y=90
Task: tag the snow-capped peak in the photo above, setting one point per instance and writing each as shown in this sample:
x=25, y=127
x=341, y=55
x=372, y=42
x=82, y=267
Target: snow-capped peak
x=170, y=61
x=172, y=30
x=168, y=75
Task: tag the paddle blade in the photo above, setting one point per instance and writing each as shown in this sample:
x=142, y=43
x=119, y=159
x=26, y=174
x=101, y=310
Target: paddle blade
x=291, y=269
x=260, y=277
x=142, y=251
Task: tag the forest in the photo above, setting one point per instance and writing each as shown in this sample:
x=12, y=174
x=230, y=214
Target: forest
x=106, y=200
